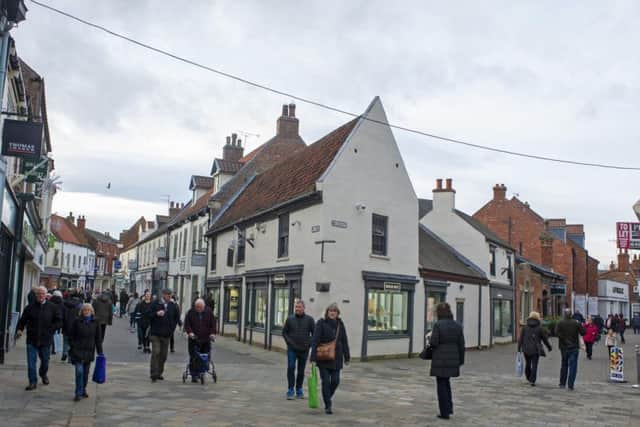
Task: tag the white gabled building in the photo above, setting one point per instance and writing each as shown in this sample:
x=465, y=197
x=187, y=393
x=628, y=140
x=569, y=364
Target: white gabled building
x=484, y=250
x=334, y=222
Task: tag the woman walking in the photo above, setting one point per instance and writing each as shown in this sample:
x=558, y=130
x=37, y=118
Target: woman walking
x=591, y=336
x=447, y=341
x=132, y=304
x=85, y=339
x=144, y=322
x=330, y=330
x=530, y=343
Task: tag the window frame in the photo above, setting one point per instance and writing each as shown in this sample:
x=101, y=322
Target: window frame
x=283, y=235
x=252, y=324
x=379, y=248
x=498, y=330
x=227, y=304
x=214, y=253
x=241, y=246
x=492, y=260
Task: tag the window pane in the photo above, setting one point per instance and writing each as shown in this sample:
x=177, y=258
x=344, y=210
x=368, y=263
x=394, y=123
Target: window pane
x=260, y=308
x=232, y=306
x=387, y=312
x=281, y=311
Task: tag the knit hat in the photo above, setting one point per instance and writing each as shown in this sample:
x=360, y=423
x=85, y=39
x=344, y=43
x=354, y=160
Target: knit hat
x=534, y=315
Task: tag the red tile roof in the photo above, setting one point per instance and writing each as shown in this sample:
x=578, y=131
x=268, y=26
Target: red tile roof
x=64, y=230
x=293, y=177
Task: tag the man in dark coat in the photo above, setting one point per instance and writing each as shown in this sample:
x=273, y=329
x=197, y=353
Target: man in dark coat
x=568, y=332
x=41, y=318
x=124, y=299
x=103, y=308
x=447, y=341
x=297, y=333
x=56, y=299
x=164, y=316
x=328, y=329
x=70, y=312
x=200, y=326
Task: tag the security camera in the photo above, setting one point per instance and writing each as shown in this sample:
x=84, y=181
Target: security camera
x=361, y=207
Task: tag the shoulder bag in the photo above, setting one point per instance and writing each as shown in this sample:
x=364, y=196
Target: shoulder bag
x=327, y=351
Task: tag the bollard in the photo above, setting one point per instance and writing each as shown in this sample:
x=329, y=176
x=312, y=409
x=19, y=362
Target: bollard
x=637, y=385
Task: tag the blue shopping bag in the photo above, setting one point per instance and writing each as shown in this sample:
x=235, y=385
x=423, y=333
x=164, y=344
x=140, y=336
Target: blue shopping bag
x=100, y=370
x=57, y=342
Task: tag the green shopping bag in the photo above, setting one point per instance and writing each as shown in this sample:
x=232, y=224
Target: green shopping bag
x=312, y=385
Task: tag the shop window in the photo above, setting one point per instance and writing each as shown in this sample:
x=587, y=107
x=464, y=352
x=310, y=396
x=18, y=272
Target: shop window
x=492, y=260
x=281, y=306
x=232, y=303
x=379, y=235
x=387, y=312
x=283, y=236
x=212, y=299
x=501, y=318
x=433, y=299
x=241, y=246
x=214, y=254
x=259, y=308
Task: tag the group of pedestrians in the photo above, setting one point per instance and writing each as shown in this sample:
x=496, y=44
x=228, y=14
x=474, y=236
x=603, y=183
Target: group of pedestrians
x=618, y=324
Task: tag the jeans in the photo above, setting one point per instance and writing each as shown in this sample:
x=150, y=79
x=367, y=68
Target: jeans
x=330, y=381
x=531, y=367
x=143, y=337
x=445, y=401
x=570, y=364
x=132, y=320
x=82, y=377
x=294, y=356
x=66, y=346
x=103, y=331
x=589, y=346
x=622, y=337
x=159, y=350
x=33, y=352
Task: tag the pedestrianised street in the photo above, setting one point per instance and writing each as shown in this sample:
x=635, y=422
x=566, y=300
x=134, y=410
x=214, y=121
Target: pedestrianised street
x=251, y=392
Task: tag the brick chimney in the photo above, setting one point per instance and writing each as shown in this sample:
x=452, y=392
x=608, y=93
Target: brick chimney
x=612, y=266
x=635, y=264
x=81, y=222
x=546, y=244
x=623, y=261
x=444, y=198
x=233, y=150
x=288, y=125
x=499, y=192
x=174, y=209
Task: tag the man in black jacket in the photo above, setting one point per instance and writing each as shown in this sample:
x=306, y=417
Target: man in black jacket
x=164, y=316
x=569, y=332
x=297, y=333
x=41, y=319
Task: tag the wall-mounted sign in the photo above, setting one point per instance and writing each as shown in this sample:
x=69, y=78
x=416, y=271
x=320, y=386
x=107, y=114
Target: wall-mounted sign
x=628, y=235
x=35, y=175
x=617, y=290
x=22, y=139
x=315, y=228
x=279, y=279
x=392, y=286
x=338, y=224
x=558, y=289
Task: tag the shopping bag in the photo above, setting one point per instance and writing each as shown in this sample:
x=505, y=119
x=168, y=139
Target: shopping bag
x=57, y=342
x=312, y=385
x=519, y=365
x=100, y=370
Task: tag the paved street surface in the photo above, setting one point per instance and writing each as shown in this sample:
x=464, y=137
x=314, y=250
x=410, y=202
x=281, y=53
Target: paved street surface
x=250, y=391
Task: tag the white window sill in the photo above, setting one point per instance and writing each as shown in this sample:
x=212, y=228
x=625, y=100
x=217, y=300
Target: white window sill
x=285, y=259
x=384, y=257
x=240, y=265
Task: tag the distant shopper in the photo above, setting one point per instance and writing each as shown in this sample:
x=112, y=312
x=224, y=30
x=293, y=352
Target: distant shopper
x=635, y=323
x=131, y=310
x=164, y=316
x=143, y=322
x=41, y=318
x=578, y=316
x=611, y=340
x=70, y=312
x=103, y=309
x=297, y=333
x=330, y=329
x=530, y=344
x=569, y=332
x=621, y=327
x=447, y=341
x=591, y=336
x=85, y=340
x=200, y=326
x=172, y=342
x=124, y=299
x=56, y=298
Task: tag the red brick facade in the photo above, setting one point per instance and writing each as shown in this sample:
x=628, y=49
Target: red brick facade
x=518, y=224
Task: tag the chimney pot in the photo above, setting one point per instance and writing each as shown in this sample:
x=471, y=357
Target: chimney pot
x=439, y=184
x=292, y=110
x=285, y=110
x=234, y=137
x=499, y=192
x=449, y=184
x=228, y=140
x=171, y=205
x=239, y=142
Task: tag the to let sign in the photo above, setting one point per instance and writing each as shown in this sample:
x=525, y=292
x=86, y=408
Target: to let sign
x=21, y=139
x=628, y=235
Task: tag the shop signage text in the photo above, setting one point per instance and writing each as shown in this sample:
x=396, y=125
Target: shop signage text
x=279, y=279
x=338, y=224
x=21, y=139
x=628, y=235
x=392, y=286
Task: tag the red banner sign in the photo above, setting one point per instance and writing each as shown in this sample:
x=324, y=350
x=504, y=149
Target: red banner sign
x=628, y=235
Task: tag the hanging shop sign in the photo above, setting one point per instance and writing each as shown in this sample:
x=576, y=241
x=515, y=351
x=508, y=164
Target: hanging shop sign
x=628, y=235
x=35, y=174
x=22, y=139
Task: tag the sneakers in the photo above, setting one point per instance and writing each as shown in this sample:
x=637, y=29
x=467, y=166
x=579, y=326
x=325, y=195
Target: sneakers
x=299, y=393
x=31, y=387
x=45, y=380
x=328, y=411
x=290, y=395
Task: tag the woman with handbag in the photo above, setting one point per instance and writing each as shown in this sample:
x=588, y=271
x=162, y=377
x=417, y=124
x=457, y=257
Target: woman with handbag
x=447, y=342
x=329, y=350
x=85, y=338
x=530, y=343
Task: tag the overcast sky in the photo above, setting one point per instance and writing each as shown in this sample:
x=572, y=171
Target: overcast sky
x=549, y=78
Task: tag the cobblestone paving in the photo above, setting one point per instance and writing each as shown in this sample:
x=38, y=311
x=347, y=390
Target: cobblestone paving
x=388, y=393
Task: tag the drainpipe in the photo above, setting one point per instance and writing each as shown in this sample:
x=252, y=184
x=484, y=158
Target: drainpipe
x=480, y=316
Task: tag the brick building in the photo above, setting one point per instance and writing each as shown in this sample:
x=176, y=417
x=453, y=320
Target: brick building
x=550, y=243
x=626, y=272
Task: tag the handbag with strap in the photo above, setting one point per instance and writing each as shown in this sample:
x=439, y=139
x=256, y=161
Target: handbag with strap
x=427, y=352
x=327, y=351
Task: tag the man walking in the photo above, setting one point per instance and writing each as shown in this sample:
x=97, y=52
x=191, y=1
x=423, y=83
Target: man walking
x=569, y=331
x=41, y=319
x=124, y=299
x=200, y=326
x=297, y=333
x=103, y=309
x=164, y=316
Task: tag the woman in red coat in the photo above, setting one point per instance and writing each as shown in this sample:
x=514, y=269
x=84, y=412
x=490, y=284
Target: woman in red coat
x=591, y=336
